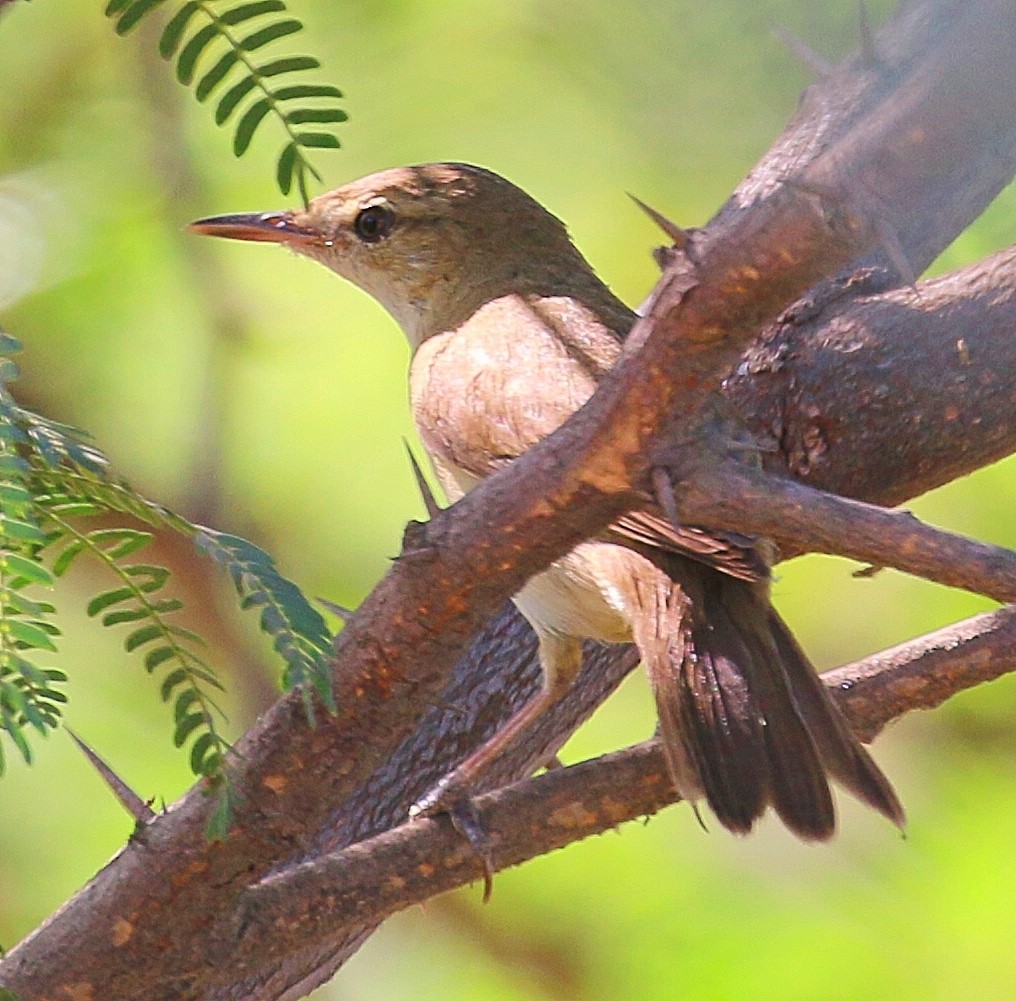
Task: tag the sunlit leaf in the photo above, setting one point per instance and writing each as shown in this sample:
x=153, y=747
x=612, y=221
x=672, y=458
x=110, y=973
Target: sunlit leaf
x=33, y=572
x=29, y=633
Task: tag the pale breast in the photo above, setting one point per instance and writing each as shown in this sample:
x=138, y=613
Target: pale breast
x=483, y=394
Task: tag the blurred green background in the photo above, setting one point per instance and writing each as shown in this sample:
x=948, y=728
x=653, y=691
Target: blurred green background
x=255, y=392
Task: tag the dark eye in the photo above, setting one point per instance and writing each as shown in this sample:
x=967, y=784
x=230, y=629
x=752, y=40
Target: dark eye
x=374, y=223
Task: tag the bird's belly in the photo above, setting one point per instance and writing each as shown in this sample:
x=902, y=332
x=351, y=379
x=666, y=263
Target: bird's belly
x=578, y=596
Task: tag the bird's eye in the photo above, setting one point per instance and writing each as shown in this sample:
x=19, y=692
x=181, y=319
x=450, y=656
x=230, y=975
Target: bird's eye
x=374, y=223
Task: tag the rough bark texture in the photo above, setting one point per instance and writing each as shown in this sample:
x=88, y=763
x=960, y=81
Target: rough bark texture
x=888, y=159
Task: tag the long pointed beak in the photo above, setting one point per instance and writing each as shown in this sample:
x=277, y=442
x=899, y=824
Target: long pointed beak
x=261, y=227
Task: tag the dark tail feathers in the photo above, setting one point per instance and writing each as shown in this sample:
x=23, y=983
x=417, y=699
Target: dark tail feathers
x=745, y=719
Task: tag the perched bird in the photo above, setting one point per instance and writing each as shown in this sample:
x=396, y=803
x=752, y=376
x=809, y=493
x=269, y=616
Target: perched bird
x=510, y=330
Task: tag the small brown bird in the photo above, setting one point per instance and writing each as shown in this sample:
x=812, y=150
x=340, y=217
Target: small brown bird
x=511, y=330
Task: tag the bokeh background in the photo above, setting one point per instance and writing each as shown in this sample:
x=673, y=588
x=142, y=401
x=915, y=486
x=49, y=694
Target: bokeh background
x=254, y=392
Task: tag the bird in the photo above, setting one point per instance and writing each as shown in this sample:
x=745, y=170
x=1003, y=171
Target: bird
x=510, y=330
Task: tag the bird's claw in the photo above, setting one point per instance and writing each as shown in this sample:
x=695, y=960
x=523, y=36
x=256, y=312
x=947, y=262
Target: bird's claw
x=448, y=797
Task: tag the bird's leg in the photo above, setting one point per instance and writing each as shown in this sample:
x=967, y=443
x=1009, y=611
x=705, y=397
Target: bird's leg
x=560, y=658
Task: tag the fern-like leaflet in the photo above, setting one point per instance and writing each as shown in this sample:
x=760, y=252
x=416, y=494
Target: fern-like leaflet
x=248, y=77
x=51, y=482
x=29, y=696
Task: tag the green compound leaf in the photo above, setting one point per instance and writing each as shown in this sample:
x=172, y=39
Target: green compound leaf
x=286, y=167
x=306, y=90
x=291, y=64
x=52, y=483
x=303, y=115
x=30, y=635
x=21, y=566
x=108, y=598
x=172, y=34
x=275, y=31
x=295, y=626
x=248, y=11
x=172, y=681
x=320, y=140
x=134, y=13
x=199, y=27
x=12, y=529
x=186, y=726
x=250, y=120
x=216, y=74
x=114, y=7
x=141, y=636
x=192, y=50
x=159, y=656
x=232, y=98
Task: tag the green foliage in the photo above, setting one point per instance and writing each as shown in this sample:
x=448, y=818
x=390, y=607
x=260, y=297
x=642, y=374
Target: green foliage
x=51, y=484
x=215, y=23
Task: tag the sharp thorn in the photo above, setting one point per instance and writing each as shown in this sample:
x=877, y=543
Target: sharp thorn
x=867, y=572
x=664, y=491
x=129, y=800
x=869, y=50
x=897, y=255
x=671, y=229
x=818, y=65
x=345, y=614
x=432, y=506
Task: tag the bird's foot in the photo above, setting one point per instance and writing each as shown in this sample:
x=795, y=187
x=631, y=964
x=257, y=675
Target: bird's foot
x=448, y=796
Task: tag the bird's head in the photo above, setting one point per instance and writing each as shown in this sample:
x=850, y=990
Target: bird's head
x=431, y=243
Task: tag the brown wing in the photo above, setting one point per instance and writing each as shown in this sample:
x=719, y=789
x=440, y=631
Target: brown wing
x=734, y=554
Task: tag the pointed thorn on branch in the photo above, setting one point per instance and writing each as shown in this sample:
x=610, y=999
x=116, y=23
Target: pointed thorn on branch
x=893, y=247
x=129, y=800
x=343, y=613
x=553, y=763
x=869, y=50
x=867, y=572
x=664, y=491
x=819, y=66
x=429, y=502
x=675, y=232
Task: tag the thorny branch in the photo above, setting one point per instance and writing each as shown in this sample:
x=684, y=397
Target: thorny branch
x=538, y=815
x=929, y=136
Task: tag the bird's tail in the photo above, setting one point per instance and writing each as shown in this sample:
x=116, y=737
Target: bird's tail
x=744, y=718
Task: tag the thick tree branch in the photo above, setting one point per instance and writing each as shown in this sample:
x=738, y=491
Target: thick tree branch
x=884, y=397
x=169, y=905
x=742, y=499
x=314, y=900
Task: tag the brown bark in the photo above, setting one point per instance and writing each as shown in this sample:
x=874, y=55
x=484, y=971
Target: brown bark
x=923, y=138
x=309, y=902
